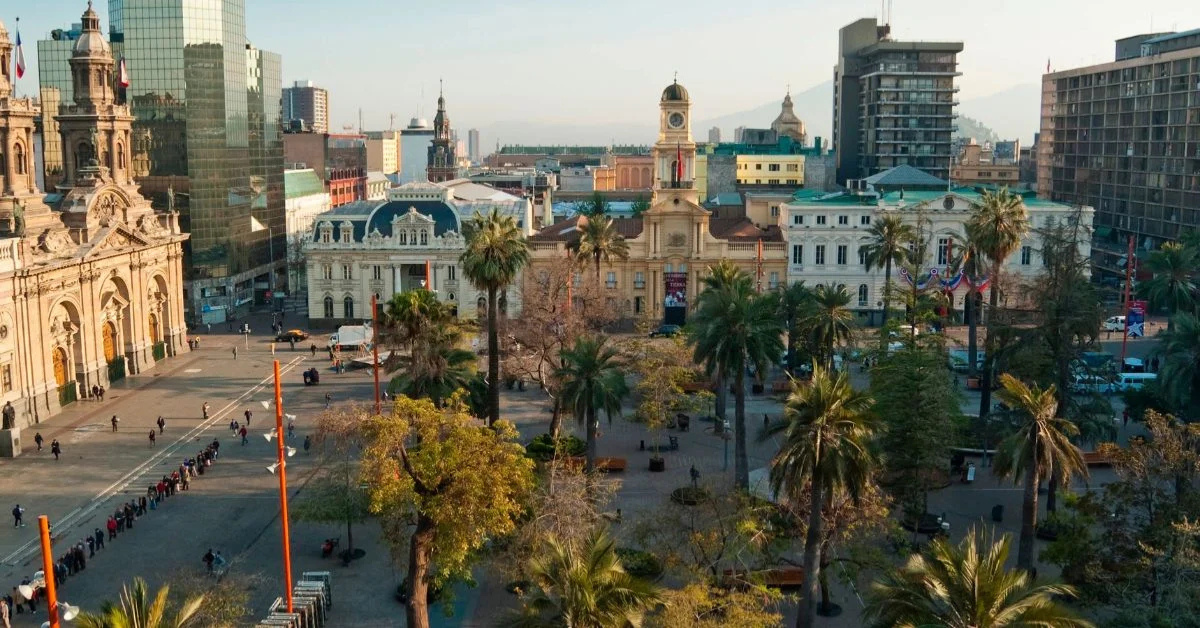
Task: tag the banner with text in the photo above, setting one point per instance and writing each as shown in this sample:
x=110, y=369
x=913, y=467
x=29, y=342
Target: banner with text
x=676, y=290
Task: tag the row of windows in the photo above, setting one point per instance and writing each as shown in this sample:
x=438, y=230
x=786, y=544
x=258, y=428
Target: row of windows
x=944, y=254
x=772, y=167
x=376, y=272
x=769, y=182
x=842, y=219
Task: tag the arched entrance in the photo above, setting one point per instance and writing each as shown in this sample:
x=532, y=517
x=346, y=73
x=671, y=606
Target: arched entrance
x=109, y=332
x=155, y=334
x=61, y=367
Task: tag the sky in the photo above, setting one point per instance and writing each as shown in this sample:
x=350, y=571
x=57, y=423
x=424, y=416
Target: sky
x=606, y=62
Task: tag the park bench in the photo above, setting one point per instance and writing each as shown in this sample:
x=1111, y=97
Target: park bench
x=778, y=577
x=781, y=386
x=672, y=446
x=603, y=464
x=1096, y=459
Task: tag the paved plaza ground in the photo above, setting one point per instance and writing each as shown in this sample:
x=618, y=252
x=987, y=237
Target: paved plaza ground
x=234, y=507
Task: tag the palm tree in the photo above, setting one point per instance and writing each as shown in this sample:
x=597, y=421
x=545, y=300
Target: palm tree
x=970, y=260
x=583, y=586
x=999, y=224
x=597, y=205
x=1172, y=286
x=437, y=368
x=496, y=252
x=828, y=324
x=827, y=428
x=1179, y=378
x=966, y=586
x=137, y=610
x=795, y=301
x=722, y=277
x=409, y=314
x=1041, y=444
x=734, y=329
x=599, y=241
x=888, y=245
x=592, y=381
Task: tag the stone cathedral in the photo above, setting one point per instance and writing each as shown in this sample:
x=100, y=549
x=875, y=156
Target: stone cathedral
x=91, y=277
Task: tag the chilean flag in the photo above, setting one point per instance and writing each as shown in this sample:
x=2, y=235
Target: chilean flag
x=123, y=75
x=678, y=163
x=20, y=56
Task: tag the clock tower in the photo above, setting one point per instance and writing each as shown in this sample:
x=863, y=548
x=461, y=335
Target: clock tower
x=675, y=152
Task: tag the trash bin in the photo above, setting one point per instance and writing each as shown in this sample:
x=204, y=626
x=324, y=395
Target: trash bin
x=998, y=513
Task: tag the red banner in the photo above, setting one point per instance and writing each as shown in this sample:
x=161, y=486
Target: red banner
x=676, y=290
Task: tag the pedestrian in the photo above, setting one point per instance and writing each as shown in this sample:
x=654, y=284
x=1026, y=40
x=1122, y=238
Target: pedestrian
x=291, y=428
x=293, y=343
x=95, y=392
x=1125, y=416
x=328, y=400
x=272, y=348
x=313, y=348
x=99, y=534
x=37, y=438
x=4, y=618
x=161, y=489
x=152, y=437
x=235, y=353
x=55, y=448
x=91, y=543
x=204, y=408
x=112, y=527
x=243, y=434
x=114, y=422
x=307, y=443
x=101, y=393
x=162, y=423
x=216, y=449
x=248, y=414
x=208, y=560
x=18, y=514
x=233, y=425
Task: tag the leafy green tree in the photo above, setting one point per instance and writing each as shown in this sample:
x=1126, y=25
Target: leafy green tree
x=409, y=314
x=1041, y=443
x=1179, y=377
x=827, y=428
x=966, y=586
x=137, y=609
x=599, y=241
x=496, y=251
x=335, y=494
x=593, y=382
x=640, y=206
x=795, y=303
x=583, y=585
x=829, y=321
x=597, y=205
x=999, y=223
x=700, y=605
x=735, y=328
x=438, y=368
x=1173, y=286
x=441, y=487
x=970, y=259
x=664, y=370
x=888, y=244
x=723, y=277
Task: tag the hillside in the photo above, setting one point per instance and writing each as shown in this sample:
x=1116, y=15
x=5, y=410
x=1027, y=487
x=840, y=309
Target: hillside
x=970, y=127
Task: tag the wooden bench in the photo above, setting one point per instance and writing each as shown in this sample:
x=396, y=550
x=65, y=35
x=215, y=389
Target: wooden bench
x=695, y=387
x=781, y=386
x=1096, y=459
x=778, y=577
x=603, y=464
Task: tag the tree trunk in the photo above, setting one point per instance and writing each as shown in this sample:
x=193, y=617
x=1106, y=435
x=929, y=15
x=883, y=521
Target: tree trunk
x=1056, y=478
x=556, y=419
x=1029, y=514
x=349, y=538
x=493, y=357
x=741, y=465
x=823, y=580
x=812, y=557
x=592, y=427
x=887, y=301
x=989, y=357
x=972, y=315
x=721, y=399
x=419, y=551
x=597, y=254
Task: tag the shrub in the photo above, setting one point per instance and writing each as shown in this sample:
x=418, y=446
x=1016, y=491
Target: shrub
x=640, y=564
x=543, y=447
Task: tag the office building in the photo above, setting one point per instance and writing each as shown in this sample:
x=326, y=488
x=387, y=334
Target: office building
x=305, y=199
x=415, y=141
x=383, y=151
x=308, y=104
x=1124, y=137
x=987, y=165
x=340, y=159
x=893, y=102
x=714, y=135
x=473, y=145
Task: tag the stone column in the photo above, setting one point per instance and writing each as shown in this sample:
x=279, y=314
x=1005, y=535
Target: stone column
x=5, y=133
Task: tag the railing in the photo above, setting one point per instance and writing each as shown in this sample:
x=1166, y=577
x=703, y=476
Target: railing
x=545, y=246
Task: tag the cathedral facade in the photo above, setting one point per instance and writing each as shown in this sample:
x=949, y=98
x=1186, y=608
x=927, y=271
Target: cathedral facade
x=91, y=276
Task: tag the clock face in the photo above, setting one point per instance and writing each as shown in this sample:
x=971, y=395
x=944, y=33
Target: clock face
x=675, y=120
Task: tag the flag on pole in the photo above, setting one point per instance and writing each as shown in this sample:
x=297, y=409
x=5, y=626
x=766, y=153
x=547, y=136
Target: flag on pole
x=678, y=163
x=20, y=56
x=1047, y=65
x=123, y=75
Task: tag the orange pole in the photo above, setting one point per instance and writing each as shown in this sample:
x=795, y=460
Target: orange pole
x=428, y=277
x=375, y=349
x=48, y=570
x=283, y=509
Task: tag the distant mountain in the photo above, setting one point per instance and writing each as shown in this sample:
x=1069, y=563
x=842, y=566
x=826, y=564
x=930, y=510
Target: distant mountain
x=814, y=106
x=1013, y=112
x=971, y=128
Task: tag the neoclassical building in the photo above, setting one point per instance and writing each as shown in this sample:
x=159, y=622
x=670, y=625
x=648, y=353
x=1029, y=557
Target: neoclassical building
x=675, y=242
x=90, y=275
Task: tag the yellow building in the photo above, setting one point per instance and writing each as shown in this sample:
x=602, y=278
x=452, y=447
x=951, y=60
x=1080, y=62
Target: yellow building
x=675, y=242
x=978, y=165
x=770, y=170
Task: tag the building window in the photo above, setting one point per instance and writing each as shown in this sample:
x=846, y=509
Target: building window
x=773, y=167
x=346, y=272
x=798, y=254
x=610, y=279
x=637, y=305
x=348, y=307
x=376, y=273
x=326, y=235
x=862, y=256
x=1026, y=255
x=943, y=251
x=843, y=220
x=798, y=219
x=758, y=166
x=450, y=273
x=863, y=294
x=424, y=238
x=793, y=182
x=639, y=281
x=328, y=307
x=820, y=220
x=774, y=211
x=819, y=256
x=403, y=237
x=773, y=280
x=6, y=378
x=864, y=220
x=842, y=254
x=793, y=167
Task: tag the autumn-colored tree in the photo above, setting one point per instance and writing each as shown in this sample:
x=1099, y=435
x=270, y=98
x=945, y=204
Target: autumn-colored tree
x=664, y=371
x=700, y=605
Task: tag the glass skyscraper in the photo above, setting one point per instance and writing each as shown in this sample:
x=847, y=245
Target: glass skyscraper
x=207, y=106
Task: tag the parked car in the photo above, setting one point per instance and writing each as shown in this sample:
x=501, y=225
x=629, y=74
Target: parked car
x=1086, y=384
x=1133, y=381
x=1114, y=323
x=1133, y=365
x=666, y=331
x=292, y=334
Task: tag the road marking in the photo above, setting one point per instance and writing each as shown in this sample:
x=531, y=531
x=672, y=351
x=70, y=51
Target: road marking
x=124, y=481
x=192, y=370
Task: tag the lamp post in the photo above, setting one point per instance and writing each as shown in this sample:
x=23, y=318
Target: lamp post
x=281, y=466
x=53, y=606
x=375, y=349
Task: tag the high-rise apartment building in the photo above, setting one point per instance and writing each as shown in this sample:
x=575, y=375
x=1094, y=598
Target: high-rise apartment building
x=1124, y=137
x=893, y=102
x=473, y=145
x=714, y=135
x=207, y=129
x=383, y=151
x=308, y=105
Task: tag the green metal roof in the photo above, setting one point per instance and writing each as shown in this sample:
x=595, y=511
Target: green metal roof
x=298, y=183
x=911, y=197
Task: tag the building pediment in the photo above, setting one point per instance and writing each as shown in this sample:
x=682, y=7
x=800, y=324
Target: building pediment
x=115, y=238
x=676, y=206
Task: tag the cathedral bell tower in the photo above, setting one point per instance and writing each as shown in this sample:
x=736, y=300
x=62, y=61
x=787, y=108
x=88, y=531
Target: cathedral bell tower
x=22, y=210
x=443, y=163
x=675, y=152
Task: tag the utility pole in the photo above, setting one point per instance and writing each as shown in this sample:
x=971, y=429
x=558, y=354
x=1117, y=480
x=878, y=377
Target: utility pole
x=1128, y=285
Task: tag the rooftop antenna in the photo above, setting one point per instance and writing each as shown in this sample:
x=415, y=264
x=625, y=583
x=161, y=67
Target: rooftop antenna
x=360, y=120
x=391, y=121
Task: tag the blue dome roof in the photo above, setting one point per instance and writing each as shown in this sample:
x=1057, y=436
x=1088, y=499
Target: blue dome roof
x=443, y=215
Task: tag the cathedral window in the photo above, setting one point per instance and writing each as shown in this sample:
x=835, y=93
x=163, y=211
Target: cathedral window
x=412, y=237
x=348, y=307
x=19, y=158
x=403, y=237
x=424, y=238
x=121, y=156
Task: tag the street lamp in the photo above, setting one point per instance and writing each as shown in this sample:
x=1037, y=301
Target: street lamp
x=281, y=466
x=45, y=579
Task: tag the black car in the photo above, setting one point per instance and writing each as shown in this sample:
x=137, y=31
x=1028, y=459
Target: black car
x=666, y=331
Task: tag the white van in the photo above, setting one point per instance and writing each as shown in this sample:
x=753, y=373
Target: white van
x=1133, y=381
x=1086, y=384
x=1114, y=323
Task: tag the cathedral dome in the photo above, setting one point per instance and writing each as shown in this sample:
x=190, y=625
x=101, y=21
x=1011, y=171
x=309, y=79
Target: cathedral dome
x=674, y=93
x=91, y=42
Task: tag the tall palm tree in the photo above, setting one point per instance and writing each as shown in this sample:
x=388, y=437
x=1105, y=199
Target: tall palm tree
x=583, y=586
x=496, y=251
x=1179, y=378
x=795, y=301
x=599, y=241
x=1041, y=444
x=409, y=314
x=888, y=246
x=592, y=381
x=966, y=586
x=1172, y=287
x=437, y=368
x=999, y=223
x=735, y=329
x=721, y=278
x=970, y=260
x=137, y=610
x=828, y=323
x=827, y=428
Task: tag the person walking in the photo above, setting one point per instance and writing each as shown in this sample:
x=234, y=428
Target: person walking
x=313, y=348
x=55, y=448
x=307, y=443
x=248, y=413
x=235, y=353
x=328, y=400
x=112, y=527
x=162, y=423
x=204, y=409
x=91, y=543
x=114, y=422
x=242, y=432
x=18, y=516
x=293, y=343
x=101, y=393
x=37, y=438
x=4, y=617
x=99, y=534
x=95, y=392
x=291, y=428
x=152, y=433
x=272, y=348
x=208, y=560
